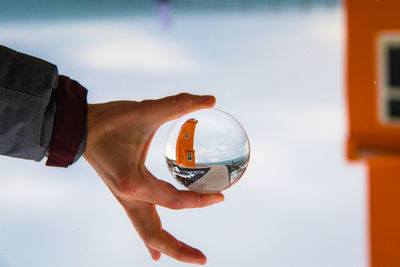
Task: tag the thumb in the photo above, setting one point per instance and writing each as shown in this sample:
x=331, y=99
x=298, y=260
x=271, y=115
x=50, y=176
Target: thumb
x=172, y=107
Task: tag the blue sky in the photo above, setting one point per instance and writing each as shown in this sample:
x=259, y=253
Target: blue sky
x=280, y=74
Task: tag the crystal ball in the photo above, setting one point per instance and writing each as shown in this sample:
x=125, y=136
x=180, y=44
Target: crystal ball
x=207, y=151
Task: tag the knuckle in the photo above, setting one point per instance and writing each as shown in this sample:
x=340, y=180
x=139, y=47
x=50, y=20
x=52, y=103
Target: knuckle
x=150, y=237
x=174, y=204
x=147, y=238
x=182, y=99
x=177, y=253
x=127, y=188
x=147, y=107
x=146, y=102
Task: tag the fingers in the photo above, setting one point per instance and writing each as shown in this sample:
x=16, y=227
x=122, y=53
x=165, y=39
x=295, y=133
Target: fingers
x=147, y=223
x=164, y=194
x=178, y=250
x=172, y=107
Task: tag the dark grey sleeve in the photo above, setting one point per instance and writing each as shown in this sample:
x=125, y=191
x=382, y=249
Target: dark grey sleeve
x=27, y=105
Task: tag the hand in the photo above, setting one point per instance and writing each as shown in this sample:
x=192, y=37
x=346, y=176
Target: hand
x=119, y=135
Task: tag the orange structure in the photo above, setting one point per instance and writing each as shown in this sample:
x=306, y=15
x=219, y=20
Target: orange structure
x=185, y=155
x=373, y=95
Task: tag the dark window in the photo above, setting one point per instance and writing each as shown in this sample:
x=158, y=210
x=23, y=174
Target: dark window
x=394, y=66
x=394, y=108
x=186, y=135
x=189, y=156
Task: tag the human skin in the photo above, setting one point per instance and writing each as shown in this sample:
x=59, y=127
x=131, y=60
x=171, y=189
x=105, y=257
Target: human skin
x=119, y=136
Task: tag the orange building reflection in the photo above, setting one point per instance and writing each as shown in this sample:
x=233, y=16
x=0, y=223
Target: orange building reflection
x=185, y=154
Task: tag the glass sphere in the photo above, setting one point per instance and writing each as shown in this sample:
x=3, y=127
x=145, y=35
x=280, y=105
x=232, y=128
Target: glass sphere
x=207, y=151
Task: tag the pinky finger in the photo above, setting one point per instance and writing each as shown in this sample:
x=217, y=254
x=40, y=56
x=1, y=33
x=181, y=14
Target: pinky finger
x=155, y=254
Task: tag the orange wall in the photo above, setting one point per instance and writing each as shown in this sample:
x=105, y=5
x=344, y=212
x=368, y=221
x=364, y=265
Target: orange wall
x=384, y=211
x=365, y=20
x=185, y=145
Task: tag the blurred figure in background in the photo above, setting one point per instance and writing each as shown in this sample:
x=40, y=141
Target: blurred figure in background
x=164, y=12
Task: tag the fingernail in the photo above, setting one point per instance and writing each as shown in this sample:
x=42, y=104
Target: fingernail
x=201, y=261
x=217, y=197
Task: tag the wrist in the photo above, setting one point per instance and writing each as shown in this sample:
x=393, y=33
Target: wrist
x=89, y=124
x=69, y=126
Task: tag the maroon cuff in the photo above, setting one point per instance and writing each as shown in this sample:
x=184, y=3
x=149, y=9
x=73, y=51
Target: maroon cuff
x=70, y=120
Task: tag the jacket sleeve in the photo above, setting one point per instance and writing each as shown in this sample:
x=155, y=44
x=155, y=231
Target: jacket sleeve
x=28, y=106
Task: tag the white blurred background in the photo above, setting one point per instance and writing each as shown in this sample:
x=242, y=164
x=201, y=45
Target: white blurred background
x=279, y=72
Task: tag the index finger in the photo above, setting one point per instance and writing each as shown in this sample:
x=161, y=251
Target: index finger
x=148, y=225
x=172, y=107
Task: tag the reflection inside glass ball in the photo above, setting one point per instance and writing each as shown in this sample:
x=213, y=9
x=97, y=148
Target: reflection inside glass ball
x=207, y=151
